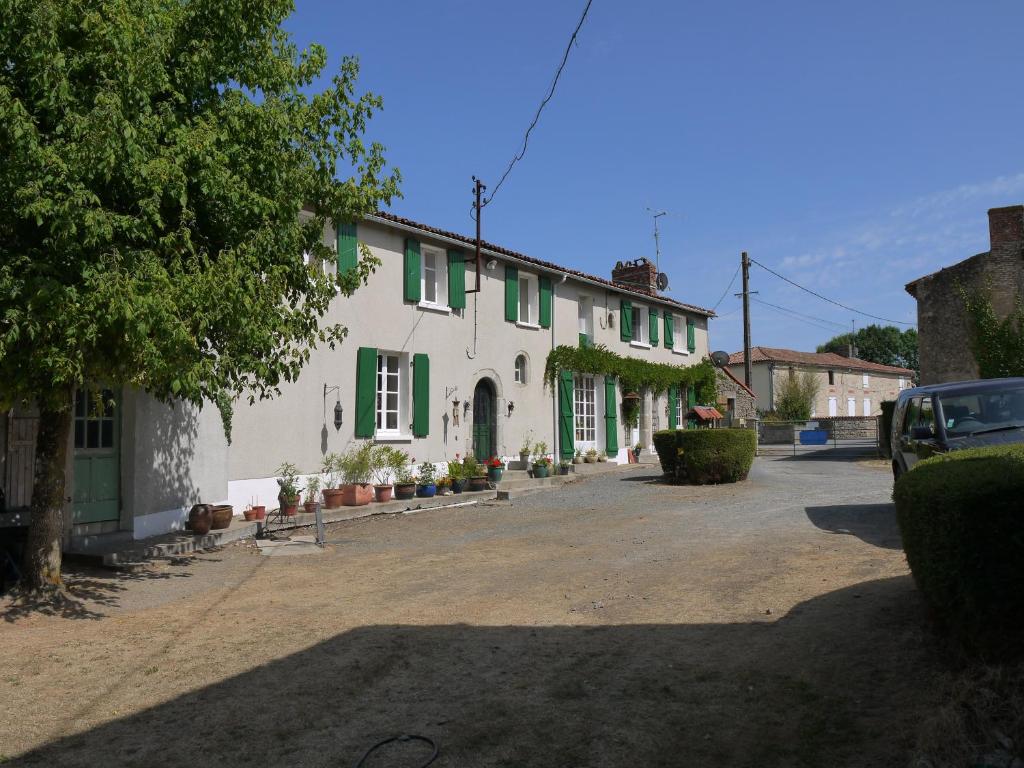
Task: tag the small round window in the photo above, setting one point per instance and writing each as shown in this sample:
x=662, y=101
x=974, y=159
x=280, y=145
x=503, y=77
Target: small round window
x=521, y=370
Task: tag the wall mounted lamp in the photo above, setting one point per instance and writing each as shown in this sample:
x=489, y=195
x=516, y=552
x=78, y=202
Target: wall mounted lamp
x=492, y=264
x=338, y=410
x=466, y=405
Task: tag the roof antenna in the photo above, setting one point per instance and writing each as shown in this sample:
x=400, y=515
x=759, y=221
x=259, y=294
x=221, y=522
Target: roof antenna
x=657, y=246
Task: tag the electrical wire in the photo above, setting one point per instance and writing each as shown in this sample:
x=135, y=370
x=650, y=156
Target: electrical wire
x=820, y=326
x=536, y=117
x=840, y=326
x=830, y=301
x=726, y=291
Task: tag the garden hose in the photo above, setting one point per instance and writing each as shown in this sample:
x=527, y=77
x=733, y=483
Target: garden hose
x=402, y=738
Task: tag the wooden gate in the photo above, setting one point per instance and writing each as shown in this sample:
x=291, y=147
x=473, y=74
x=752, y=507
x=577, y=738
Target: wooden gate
x=21, y=455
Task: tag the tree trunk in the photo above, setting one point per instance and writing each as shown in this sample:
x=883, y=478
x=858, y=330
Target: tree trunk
x=46, y=521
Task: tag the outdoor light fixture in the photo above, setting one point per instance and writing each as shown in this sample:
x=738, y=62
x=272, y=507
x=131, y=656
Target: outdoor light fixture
x=337, y=414
x=466, y=405
x=338, y=410
x=511, y=407
x=492, y=264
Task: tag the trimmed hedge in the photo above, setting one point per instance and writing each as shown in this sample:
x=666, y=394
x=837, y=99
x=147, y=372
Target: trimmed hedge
x=702, y=456
x=887, y=406
x=961, y=517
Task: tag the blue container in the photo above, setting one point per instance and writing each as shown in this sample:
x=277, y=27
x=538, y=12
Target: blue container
x=813, y=437
x=426, y=491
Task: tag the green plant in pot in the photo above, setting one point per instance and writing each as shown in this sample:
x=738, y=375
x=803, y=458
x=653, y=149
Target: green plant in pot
x=312, y=494
x=426, y=481
x=288, y=481
x=524, y=449
x=564, y=467
x=405, y=482
x=384, y=465
x=331, y=481
x=577, y=458
x=591, y=456
x=495, y=468
x=542, y=466
x=456, y=475
x=356, y=468
x=475, y=474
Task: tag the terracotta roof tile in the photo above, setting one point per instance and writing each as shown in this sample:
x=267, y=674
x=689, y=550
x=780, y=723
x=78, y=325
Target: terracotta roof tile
x=818, y=359
x=469, y=241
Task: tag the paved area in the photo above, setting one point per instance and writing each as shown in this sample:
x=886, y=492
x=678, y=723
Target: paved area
x=613, y=621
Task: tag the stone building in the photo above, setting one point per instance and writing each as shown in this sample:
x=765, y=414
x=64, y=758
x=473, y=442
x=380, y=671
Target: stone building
x=943, y=334
x=736, y=401
x=847, y=386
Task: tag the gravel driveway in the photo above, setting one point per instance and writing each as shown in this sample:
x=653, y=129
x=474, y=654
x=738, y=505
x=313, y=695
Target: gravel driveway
x=615, y=621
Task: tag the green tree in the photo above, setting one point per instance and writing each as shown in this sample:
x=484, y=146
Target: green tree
x=794, y=399
x=156, y=157
x=884, y=344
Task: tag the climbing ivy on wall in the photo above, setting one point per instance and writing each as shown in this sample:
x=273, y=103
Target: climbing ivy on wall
x=997, y=344
x=632, y=373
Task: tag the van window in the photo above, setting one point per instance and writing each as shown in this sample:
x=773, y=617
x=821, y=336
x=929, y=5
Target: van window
x=919, y=414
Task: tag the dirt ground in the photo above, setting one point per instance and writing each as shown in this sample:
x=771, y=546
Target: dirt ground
x=616, y=621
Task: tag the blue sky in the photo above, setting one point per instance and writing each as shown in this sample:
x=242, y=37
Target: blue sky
x=849, y=146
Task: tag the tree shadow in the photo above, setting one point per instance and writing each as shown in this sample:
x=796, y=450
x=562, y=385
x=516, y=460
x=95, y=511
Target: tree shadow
x=874, y=524
x=843, y=679
x=825, y=454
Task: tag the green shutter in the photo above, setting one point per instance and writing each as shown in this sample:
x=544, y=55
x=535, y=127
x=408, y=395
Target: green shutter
x=511, y=293
x=456, y=280
x=420, y=395
x=669, y=341
x=611, y=423
x=566, y=427
x=691, y=400
x=652, y=319
x=626, y=320
x=584, y=341
x=673, y=400
x=691, y=335
x=366, y=391
x=545, y=301
x=347, y=251
x=412, y=270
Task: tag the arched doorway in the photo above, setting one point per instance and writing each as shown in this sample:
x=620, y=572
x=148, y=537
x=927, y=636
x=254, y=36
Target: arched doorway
x=485, y=404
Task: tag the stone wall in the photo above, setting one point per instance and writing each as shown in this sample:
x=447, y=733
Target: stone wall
x=850, y=427
x=944, y=337
x=744, y=404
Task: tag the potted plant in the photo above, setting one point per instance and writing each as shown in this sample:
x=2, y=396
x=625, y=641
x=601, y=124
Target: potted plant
x=542, y=466
x=455, y=475
x=636, y=451
x=602, y=456
x=426, y=484
x=405, y=484
x=563, y=467
x=312, y=494
x=494, y=469
x=444, y=485
x=288, y=480
x=383, y=463
x=356, y=468
x=254, y=512
x=524, y=449
x=476, y=475
x=577, y=457
x=591, y=456
x=332, y=481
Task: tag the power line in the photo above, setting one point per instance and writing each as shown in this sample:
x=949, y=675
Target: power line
x=830, y=301
x=839, y=326
x=815, y=324
x=726, y=288
x=536, y=117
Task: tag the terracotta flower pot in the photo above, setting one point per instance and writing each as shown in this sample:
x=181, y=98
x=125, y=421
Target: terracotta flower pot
x=478, y=483
x=255, y=513
x=310, y=507
x=356, y=494
x=332, y=498
x=405, y=491
x=290, y=510
x=200, y=518
x=382, y=492
x=221, y=515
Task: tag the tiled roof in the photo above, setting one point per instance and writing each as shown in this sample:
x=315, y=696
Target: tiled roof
x=819, y=359
x=471, y=242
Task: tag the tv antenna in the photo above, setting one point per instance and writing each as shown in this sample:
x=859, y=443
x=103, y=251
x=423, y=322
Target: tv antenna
x=657, y=246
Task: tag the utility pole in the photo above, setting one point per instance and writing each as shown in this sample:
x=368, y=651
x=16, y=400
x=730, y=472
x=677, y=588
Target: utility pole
x=478, y=187
x=745, y=264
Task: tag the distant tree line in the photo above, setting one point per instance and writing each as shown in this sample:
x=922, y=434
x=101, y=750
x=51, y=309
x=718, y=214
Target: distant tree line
x=884, y=344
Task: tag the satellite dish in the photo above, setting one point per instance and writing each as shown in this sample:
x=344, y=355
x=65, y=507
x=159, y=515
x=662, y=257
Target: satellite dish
x=720, y=358
x=661, y=281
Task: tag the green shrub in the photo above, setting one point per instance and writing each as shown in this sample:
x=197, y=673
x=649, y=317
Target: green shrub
x=665, y=445
x=714, y=455
x=961, y=516
x=887, y=406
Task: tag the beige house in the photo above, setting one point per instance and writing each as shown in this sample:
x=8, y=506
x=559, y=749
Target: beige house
x=430, y=365
x=847, y=386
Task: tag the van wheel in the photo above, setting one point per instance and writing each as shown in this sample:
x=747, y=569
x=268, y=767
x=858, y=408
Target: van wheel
x=897, y=471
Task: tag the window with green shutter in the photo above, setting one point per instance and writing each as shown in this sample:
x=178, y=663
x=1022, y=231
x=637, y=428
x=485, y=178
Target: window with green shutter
x=625, y=320
x=611, y=422
x=669, y=339
x=348, y=257
x=545, y=301
x=366, y=391
x=566, y=435
x=653, y=322
x=411, y=275
x=691, y=335
x=420, y=395
x=511, y=293
x=456, y=280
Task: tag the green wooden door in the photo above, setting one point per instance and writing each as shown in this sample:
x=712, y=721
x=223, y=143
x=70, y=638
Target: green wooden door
x=483, y=421
x=96, y=497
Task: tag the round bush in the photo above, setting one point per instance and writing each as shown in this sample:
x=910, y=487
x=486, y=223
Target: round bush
x=665, y=445
x=961, y=516
x=713, y=455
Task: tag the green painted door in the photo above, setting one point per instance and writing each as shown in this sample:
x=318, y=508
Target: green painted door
x=96, y=497
x=483, y=421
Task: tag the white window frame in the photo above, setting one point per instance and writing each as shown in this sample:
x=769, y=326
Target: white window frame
x=867, y=406
x=401, y=430
x=902, y=384
x=532, y=296
x=524, y=376
x=833, y=406
x=851, y=406
x=440, y=279
x=585, y=315
x=641, y=327
x=867, y=381
x=584, y=399
x=680, y=396
x=679, y=345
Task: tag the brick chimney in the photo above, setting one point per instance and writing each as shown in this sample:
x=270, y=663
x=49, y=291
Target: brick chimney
x=640, y=275
x=1006, y=228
